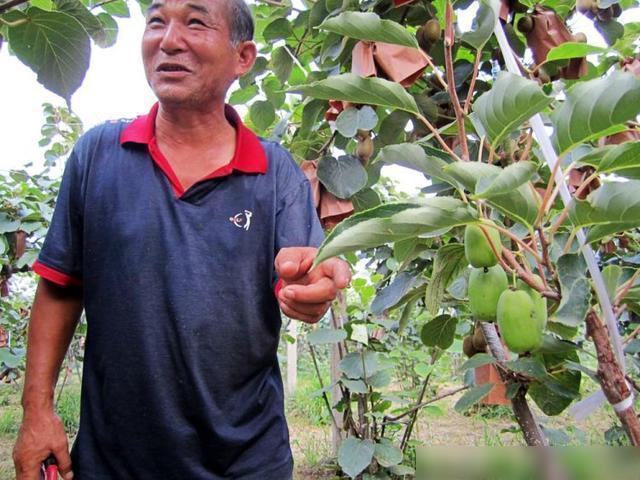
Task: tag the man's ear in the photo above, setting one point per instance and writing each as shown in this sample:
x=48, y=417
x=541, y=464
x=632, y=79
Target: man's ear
x=247, y=53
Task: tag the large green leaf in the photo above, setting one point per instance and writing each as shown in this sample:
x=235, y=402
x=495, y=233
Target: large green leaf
x=623, y=159
x=387, y=453
x=55, y=46
x=506, y=181
x=613, y=207
x=353, y=119
x=575, y=290
x=342, y=176
x=573, y=50
x=358, y=365
x=355, y=455
x=326, y=335
x=595, y=108
x=483, y=25
x=394, y=222
x=369, y=26
x=448, y=264
x=555, y=392
x=521, y=203
x=439, y=332
x=413, y=156
x=88, y=20
x=356, y=89
x=510, y=102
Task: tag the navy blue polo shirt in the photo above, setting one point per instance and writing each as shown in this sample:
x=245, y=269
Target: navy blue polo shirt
x=181, y=378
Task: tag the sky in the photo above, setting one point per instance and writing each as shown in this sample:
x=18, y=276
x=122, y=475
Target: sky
x=115, y=87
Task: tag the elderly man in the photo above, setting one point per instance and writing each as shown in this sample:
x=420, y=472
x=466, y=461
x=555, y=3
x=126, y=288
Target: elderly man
x=181, y=234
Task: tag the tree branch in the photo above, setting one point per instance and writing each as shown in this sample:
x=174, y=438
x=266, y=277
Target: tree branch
x=612, y=380
x=4, y=7
x=472, y=84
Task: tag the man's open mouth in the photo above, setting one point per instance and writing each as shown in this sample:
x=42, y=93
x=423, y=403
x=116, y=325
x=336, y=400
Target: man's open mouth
x=172, y=67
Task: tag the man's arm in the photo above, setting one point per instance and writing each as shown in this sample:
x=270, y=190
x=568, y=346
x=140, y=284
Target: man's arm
x=54, y=316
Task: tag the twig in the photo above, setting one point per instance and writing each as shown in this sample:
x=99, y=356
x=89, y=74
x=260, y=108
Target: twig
x=453, y=94
x=10, y=4
x=545, y=252
x=547, y=194
x=324, y=394
x=409, y=429
x=565, y=211
x=626, y=287
x=631, y=336
x=424, y=404
x=526, y=277
x=436, y=134
x=436, y=72
x=472, y=84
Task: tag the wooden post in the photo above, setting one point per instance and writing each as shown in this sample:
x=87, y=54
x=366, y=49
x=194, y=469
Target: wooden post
x=292, y=359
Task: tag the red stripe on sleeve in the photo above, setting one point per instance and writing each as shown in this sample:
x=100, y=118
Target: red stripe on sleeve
x=54, y=275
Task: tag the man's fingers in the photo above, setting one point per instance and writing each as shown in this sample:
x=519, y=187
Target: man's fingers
x=64, y=461
x=338, y=270
x=320, y=291
x=296, y=315
x=316, y=309
x=293, y=263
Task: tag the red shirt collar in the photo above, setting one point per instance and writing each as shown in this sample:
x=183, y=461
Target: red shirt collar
x=249, y=156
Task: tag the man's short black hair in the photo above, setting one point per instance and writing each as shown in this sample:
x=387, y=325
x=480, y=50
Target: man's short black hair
x=240, y=21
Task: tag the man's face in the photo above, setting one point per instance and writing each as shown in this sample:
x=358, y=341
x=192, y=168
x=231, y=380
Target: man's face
x=187, y=51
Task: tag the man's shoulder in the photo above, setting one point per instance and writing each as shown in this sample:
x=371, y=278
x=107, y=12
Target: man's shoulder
x=104, y=133
x=281, y=162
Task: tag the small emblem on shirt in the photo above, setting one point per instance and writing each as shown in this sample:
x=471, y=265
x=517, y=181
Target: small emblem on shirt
x=242, y=220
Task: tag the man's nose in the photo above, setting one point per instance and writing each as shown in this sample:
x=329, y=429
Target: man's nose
x=172, y=40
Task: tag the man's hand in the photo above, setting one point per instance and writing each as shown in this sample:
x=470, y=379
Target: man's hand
x=307, y=295
x=41, y=434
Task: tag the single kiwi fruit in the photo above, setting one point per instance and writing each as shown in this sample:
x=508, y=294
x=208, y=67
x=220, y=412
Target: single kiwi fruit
x=432, y=30
x=479, y=342
x=525, y=24
x=467, y=346
x=423, y=42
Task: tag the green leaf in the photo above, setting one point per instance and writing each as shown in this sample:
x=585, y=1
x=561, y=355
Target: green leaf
x=322, y=336
x=611, y=31
x=243, y=95
x=279, y=29
x=8, y=358
x=117, y=8
x=555, y=392
x=55, y=46
x=448, y=264
x=355, y=455
x=387, y=454
x=90, y=22
x=613, y=207
x=509, y=179
x=410, y=155
x=594, y=107
x=520, y=204
x=478, y=360
x=273, y=90
x=472, y=396
x=439, y=332
x=623, y=159
x=356, y=386
x=394, y=222
x=7, y=225
x=575, y=289
x=262, y=114
x=351, y=120
x=342, y=176
x=611, y=276
x=352, y=364
x=281, y=64
x=510, y=102
x=110, y=28
x=483, y=25
x=528, y=366
x=369, y=26
x=393, y=293
x=573, y=50
x=353, y=88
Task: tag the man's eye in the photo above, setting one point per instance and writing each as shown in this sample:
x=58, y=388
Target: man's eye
x=154, y=20
x=196, y=21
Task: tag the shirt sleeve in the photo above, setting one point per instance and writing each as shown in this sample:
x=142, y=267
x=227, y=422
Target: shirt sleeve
x=60, y=260
x=297, y=223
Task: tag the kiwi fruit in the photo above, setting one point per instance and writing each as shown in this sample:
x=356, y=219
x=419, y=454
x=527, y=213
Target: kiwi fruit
x=479, y=342
x=467, y=346
x=432, y=30
x=525, y=24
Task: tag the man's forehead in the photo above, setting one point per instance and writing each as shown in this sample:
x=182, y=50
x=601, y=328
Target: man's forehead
x=204, y=6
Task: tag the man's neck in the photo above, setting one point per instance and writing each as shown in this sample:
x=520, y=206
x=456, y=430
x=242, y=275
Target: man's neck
x=180, y=126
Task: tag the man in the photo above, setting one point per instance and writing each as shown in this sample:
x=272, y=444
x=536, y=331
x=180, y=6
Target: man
x=167, y=230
